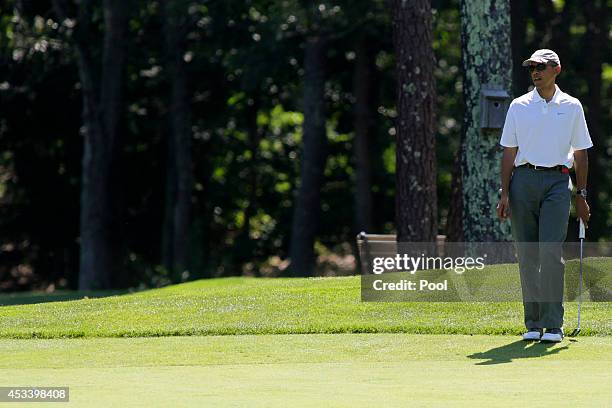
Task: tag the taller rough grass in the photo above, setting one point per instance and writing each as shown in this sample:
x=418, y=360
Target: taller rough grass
x=270, y=306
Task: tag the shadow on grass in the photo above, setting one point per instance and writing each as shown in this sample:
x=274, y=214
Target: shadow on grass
x=26, y=298
x=516, y=350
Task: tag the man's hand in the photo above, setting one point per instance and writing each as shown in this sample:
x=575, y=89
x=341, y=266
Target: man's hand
x=503, y=206
x=507, y=167
x=582, y=210
x=581, y=165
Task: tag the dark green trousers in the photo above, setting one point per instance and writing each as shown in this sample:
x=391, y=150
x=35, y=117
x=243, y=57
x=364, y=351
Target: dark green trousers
x=540, y=206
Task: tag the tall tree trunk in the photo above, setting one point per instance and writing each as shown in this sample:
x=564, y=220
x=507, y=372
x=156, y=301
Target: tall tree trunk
x=518, y=20
x=96, y=262
x=314, y=155
x=180, y=174
x=454, y=225
x=169, y=203
x=485, y=46
x=416, y=196
x=595, y=41
x=364, y=130
x=102, y=105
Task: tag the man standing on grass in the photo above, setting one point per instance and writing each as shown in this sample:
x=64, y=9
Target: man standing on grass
x=545, y=133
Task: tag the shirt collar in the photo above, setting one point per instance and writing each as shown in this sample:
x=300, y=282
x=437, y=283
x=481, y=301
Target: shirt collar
x=535, y=95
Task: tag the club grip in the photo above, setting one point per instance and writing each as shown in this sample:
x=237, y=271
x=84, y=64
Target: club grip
x=581, y=231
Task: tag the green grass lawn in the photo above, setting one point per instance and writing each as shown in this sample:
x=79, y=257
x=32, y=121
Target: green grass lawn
x=296, y=342
x=270, y=306
x=330, y=370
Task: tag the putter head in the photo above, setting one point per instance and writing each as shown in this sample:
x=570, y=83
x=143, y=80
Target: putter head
x=575, y=332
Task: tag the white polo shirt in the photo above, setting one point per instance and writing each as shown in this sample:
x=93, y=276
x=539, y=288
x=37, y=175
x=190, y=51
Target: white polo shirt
x=546, y=133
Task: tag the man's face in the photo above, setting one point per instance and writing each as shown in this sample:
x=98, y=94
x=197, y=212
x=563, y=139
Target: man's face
x=542, y=79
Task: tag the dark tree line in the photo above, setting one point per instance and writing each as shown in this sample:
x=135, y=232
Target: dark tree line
x=208, y=138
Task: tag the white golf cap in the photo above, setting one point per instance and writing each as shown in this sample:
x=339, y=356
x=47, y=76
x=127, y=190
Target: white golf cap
x=543, y=56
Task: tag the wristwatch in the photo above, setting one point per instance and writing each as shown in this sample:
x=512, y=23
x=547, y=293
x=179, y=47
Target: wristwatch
x=582, y=193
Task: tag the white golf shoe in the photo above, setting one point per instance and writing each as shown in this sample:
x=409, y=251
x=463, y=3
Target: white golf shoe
x=553, y=335
x=532, y=335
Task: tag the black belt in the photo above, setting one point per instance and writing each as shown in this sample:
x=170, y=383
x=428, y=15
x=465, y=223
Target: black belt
x=561, y=168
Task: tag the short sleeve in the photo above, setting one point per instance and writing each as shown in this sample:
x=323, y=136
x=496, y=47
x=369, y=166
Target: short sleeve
x=580, y=133
x=508, y=137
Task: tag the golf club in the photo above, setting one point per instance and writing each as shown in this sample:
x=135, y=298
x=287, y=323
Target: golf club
x=581, y=235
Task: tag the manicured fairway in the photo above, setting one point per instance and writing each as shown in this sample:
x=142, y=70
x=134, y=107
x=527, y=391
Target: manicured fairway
x=339, y=370
x=249, y=342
